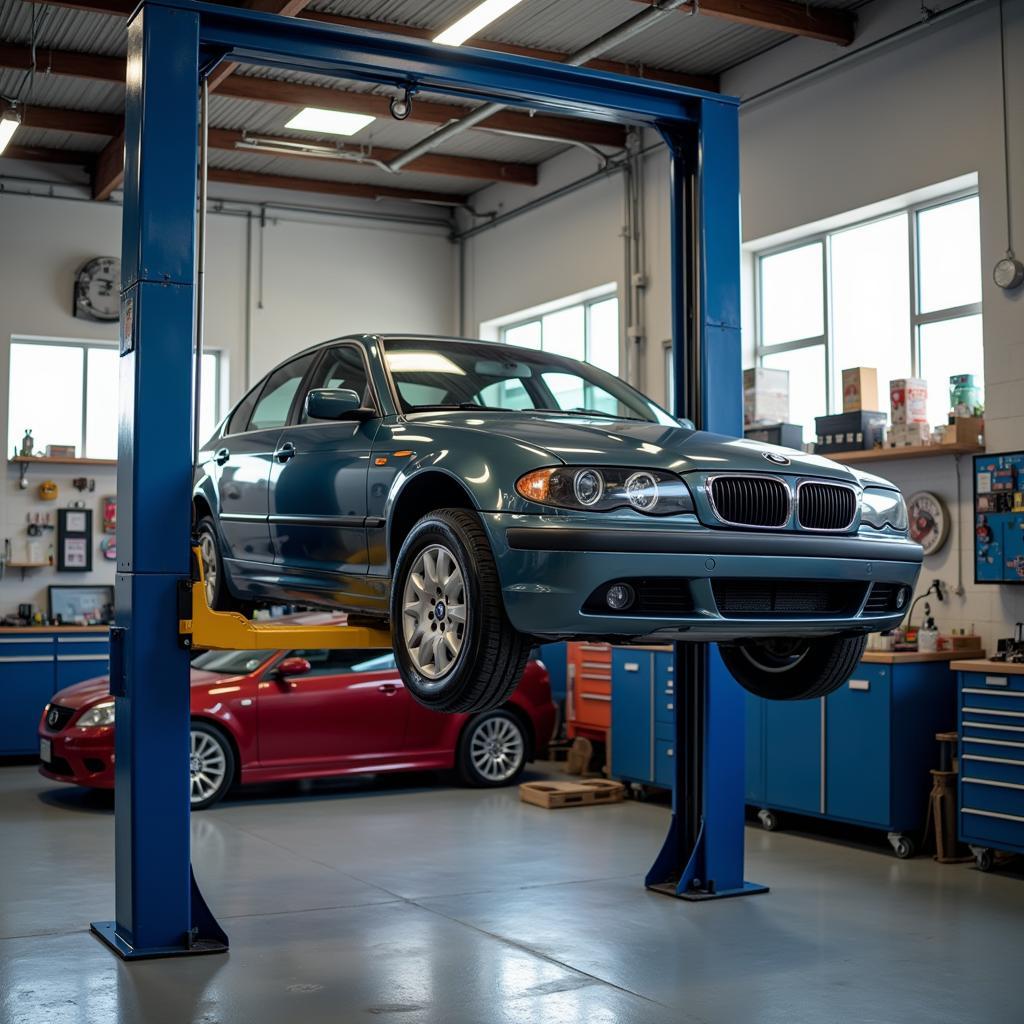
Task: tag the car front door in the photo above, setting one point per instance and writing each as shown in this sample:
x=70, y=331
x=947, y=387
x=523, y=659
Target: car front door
x=349, y=711
x=246, y=454
x=317, y=495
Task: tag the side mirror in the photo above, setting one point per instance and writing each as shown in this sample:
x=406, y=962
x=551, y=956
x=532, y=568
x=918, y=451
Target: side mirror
x=293, y=667
x=336, y=404
x=688, y=424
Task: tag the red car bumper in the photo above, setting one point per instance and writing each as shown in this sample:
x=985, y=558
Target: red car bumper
x=84, y=757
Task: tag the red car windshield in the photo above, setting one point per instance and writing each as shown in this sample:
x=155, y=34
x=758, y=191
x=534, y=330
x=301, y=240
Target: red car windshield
x=232, y=663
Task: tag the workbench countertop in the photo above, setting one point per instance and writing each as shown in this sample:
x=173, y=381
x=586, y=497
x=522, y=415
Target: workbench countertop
x=906, y=657
x=992, y=668
x=54, y=629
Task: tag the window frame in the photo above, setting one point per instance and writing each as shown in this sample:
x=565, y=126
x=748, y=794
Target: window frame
x=85, y=345
x=538, y=318
x=916, y=320
x=295, y=414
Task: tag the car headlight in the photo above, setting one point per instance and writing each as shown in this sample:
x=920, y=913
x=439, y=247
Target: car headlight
x=879, y=508
x=602, y=489
x=101, y=714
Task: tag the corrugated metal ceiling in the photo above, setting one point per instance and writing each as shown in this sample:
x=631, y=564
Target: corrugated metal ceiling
x=702, y=45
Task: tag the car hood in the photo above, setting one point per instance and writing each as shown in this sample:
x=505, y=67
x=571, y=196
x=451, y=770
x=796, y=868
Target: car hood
x=578, y=440
x=92, y=691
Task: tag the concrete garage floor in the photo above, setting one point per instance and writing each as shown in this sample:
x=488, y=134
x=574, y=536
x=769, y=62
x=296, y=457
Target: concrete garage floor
x=410, y=901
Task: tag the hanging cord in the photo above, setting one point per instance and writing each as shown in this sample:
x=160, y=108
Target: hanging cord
x=23, y=96
x=1006, y=136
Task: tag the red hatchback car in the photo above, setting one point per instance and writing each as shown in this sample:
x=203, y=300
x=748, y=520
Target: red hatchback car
x=261, y=716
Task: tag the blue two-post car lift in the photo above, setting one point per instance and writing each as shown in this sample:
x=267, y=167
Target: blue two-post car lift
x=173, y=46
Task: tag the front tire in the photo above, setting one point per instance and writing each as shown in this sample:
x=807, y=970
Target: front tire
x=793, y=668
x=454, y=645
x=492, y=751
x=211, y=765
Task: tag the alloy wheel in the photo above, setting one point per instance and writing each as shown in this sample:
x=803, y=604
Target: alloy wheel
x=779, y=654
x=207, y=766
x=208, y=555
x=496, y=748
x=434, y=612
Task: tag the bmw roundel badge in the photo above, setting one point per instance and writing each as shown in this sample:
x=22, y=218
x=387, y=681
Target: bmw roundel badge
x=775, y=458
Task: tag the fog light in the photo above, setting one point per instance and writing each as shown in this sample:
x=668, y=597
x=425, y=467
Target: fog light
x=902, y=596
x=619, y=596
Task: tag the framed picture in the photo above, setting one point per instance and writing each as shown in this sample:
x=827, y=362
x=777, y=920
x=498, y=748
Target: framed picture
x=81, y=604
x=74, y=540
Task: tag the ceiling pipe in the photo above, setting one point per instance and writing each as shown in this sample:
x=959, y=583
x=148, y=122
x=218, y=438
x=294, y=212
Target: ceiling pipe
x=628, y=29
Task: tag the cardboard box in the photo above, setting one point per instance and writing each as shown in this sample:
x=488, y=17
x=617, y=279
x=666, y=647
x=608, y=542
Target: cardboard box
x=849, y=431
x=902, y=435
x=785, y=435
x=908, y=400
x=765, y=396
x=964, y=430
x=860, y=388
x=957, y=642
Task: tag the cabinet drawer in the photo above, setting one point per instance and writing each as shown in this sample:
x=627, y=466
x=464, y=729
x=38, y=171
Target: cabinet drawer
x=993, y=764
x=29, y=648
x=665, y=706
x=664, y=731
x=993, y=795
x=593, y=707
x=992, y=828
x=592, y=652
x=664, y=669
x=873, y=675
x=664, y=763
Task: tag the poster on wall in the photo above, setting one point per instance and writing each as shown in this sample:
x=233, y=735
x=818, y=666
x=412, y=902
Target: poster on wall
x=74, y=540
x=999, y=518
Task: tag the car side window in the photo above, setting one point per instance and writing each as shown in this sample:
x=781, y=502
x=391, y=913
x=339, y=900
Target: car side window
x=275, y=399
x=341, y=367
x=239, y=421
x=340, y=662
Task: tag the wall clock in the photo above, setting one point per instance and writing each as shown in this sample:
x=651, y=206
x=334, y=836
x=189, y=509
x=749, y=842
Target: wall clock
x=98, y=289
x=929, y=520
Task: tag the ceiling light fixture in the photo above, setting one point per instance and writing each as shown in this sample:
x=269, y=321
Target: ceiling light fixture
x=330, y=122
x=9, y=121
x=469, y=24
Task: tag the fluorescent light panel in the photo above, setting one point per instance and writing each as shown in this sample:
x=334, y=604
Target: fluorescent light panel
x=331, y=122
x=471, y=23
x=9, y=122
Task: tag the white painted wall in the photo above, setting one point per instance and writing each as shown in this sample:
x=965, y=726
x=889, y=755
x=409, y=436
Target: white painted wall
x=322, y=277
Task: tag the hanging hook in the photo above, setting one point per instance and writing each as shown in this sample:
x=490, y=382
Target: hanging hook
x=401, y=107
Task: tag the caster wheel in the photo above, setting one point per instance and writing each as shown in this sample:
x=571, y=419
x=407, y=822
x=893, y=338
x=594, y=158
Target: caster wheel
x=769, y=822
x=904, y=848
x=984, y=859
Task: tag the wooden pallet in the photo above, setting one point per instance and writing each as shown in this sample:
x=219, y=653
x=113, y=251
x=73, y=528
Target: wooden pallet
x=552, y=795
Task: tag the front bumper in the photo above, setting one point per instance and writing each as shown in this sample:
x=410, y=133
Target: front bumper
x=83, y=757
x=550, y=565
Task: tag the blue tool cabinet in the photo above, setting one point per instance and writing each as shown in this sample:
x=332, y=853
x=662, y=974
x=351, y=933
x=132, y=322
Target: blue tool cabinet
x=990, y=728
x=861, y=755
x=643, y=715
x=35, y=664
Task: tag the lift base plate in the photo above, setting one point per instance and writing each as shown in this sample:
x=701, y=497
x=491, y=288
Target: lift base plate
x=106, y=932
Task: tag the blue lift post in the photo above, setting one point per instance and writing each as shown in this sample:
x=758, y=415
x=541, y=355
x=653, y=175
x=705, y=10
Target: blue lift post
x=173, y=45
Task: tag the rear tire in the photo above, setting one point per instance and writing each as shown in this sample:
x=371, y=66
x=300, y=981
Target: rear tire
x=492, y=750
x=218, y=596
x=454, y=645
x=793, y=668
x=211, y=765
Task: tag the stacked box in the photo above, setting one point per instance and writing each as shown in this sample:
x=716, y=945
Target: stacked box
x=860, y=388
x=964, y=430
x=901, y=435
x=849, y=431
x=908, y=400
x=765, y=396
x=785, y=435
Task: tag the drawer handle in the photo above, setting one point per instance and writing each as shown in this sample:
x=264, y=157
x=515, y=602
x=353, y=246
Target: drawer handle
x=596, y=676
x=595, y=696
x=670, y=707
x=670, y=752
x=1006, y=693
x=996, y=681
x=860, y=684
x=631, y=666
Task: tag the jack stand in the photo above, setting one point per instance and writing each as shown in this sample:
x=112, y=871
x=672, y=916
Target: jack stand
x=702, y=858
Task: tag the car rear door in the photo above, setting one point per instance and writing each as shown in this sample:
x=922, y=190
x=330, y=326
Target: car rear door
x=346, y=712
x=317, y=493
x=246, y=457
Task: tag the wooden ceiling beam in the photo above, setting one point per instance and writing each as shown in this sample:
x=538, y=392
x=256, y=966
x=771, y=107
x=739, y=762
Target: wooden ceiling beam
x=41, y=154
x=65, y=62
x=86, y=122
x=334, y=188
x=707, y=82
x=455, y=166
x=790, y=16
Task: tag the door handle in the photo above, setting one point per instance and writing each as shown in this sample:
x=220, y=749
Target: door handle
x=285, y=452
x=221, y=456
x=388, y=688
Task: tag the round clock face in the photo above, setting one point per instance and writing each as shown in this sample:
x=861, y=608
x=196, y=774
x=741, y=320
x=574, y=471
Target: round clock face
x=1008, y=273
x=929, y=520
x=98, y=289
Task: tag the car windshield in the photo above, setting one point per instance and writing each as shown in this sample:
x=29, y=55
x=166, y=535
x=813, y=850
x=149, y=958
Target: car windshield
x=233, y=663
x=431, y=375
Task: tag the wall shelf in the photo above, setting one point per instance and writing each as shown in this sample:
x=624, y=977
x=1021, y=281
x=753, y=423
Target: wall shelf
x=907, y=452
x=24, y=461
x=25, y=566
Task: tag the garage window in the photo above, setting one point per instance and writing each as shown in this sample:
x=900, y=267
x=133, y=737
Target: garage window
x=901, y=293
x=79, y=380
x=586, y=330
